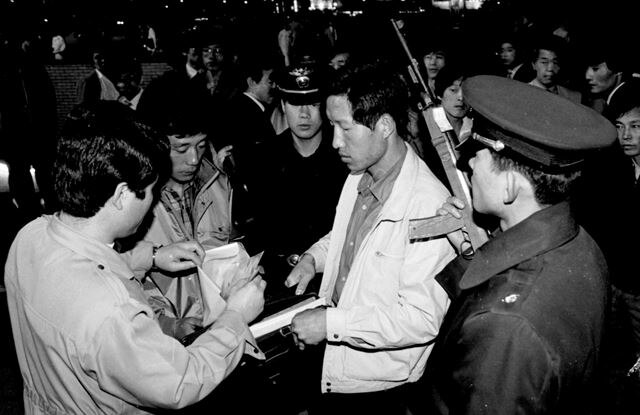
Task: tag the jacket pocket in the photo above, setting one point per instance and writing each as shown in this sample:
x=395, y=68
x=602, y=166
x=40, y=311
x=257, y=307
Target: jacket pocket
x=381, y=277
x=388, y=365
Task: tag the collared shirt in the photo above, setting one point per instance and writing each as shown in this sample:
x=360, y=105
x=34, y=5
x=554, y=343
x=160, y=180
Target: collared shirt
x=371, y=197
x=553, y=89
x=612, y=93
x=636, y=169
x=391, y=307
x=511, y=73
x=181, y=207
x=108, y=91
x=86, y=339
x=191, y=71
x=256, y=100
x=559, y=90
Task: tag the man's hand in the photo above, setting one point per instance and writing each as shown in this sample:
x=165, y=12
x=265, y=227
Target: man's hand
x=227, y=290
x=248, y=300
x=185, y=326
x=302, y=273
x=309, y=327
x=179, y=256
x=452, y=207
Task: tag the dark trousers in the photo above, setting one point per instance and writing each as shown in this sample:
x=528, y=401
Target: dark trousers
x=387, y=402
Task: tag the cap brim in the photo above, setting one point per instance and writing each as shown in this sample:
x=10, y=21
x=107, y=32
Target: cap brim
x=302, y=99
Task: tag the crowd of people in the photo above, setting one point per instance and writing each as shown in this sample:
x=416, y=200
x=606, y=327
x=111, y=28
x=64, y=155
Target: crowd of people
x=316, y=147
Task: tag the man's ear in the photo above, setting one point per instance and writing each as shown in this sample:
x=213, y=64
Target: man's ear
x=511, y=187
x=386, y=124
x=250, y=82
x=119, y=195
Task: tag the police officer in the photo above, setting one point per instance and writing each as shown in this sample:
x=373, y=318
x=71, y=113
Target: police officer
x=524, y=329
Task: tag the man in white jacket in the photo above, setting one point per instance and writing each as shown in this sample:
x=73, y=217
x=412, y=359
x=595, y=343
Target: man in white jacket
x=385, y=306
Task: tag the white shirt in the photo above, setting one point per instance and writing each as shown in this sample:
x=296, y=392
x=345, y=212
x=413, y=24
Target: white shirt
x=108, y=91
x=255, y=99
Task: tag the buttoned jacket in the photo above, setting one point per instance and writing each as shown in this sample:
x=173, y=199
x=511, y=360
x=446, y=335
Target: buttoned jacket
x=211, y=213
x=523, y=333
x=391, y=307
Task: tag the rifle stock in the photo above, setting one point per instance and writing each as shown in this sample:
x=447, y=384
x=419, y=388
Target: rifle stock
x=442, y=140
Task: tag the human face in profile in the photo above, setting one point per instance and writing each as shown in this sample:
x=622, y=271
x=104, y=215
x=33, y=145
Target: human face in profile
x=628, y=126
x=359, y=147
x=486, y=183
x=601, y=79
x=263, y=90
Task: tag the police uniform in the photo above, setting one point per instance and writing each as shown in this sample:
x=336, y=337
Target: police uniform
x=524, y=329
x=298, y=193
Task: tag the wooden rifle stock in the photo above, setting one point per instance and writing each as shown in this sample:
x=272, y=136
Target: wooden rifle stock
x=443, y=141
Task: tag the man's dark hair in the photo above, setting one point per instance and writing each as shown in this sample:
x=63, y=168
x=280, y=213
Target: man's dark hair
x=447, y=76
x=180, y=111
x=100, y=148
x=604, y=50
x=254, y=67
x=374, y=90
x=551, y=43
x=549, y=188
x=625, y=99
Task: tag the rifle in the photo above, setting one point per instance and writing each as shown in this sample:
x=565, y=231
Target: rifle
x=443, y=140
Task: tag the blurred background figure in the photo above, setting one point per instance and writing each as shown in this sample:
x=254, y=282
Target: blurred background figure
x=548, y=57
x=434, y=59
x=27, y=125
x=512, y=56
x=287, y=39
x=129, y=83
x=97, y=85
x=339, y=57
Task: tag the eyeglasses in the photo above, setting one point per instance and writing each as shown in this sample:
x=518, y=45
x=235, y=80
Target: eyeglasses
x=211, y=51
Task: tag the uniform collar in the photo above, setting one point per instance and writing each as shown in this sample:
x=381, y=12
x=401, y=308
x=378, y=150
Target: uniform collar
x=541, y=232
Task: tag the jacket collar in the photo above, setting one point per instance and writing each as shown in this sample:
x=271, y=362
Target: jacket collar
x=541, y=232
x=401, y=192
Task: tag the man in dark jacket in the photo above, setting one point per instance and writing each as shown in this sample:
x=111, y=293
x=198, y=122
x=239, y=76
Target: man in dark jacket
x=523, y=332
x=299, y=175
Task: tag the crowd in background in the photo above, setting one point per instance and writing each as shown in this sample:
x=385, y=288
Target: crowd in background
x=215, y=61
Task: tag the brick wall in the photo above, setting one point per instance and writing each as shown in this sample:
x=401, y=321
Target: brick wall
x=65, y=80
